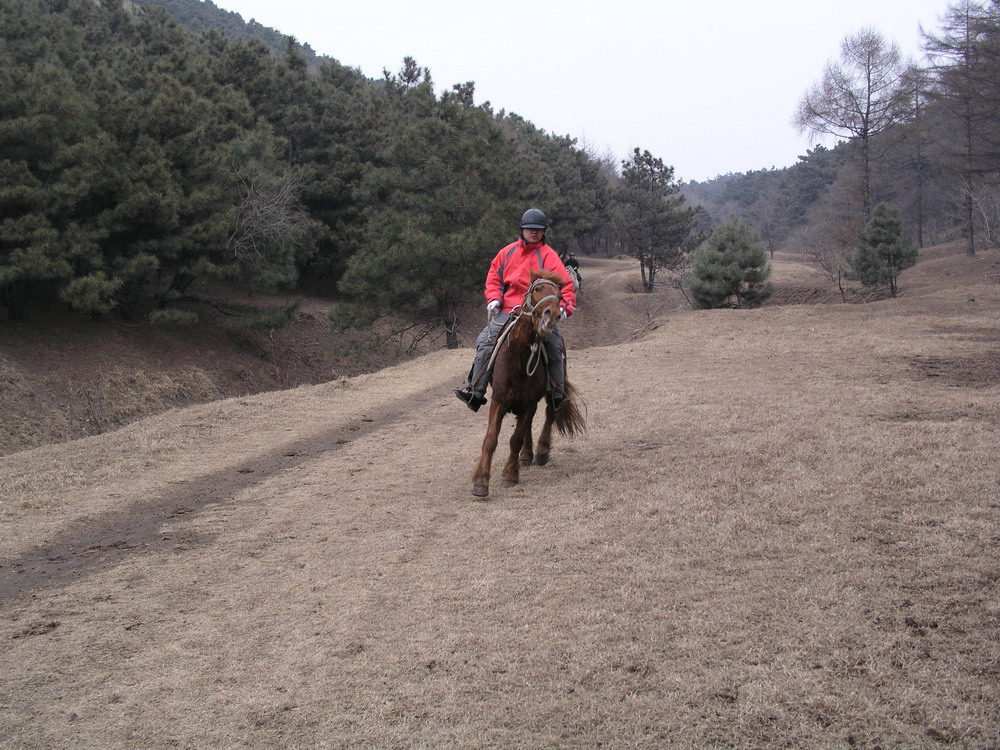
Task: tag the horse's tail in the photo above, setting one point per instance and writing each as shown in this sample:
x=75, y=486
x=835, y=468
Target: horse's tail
x=570, y=419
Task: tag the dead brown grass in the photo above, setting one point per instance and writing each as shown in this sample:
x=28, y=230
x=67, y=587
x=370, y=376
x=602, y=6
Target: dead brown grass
x=779, y=531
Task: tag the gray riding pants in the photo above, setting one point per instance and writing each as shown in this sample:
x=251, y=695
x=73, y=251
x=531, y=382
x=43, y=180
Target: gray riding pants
x=554, y=348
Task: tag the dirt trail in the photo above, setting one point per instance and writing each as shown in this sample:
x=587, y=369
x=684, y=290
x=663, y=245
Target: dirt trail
x=612, y=311
x=96, y=542
x=307, y=568
x=344, y=504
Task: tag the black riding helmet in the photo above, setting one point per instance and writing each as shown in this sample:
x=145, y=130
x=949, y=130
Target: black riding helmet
x=534, y=219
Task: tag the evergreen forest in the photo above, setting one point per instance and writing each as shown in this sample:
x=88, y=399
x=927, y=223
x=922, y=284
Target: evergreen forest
x=148, y=144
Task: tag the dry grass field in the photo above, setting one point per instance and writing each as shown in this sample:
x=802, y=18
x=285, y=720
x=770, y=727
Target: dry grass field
x=780, y=531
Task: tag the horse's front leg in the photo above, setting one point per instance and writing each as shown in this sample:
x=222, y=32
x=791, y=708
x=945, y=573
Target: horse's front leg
x=544, y=446
x=522, y=433
x=481, y=476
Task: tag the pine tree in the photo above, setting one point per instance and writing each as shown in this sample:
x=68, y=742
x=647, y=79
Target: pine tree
x=651, y=220
x=556, y=174
x=730, y=269
x=50, y=171
x=438, y=207
x=884, y=250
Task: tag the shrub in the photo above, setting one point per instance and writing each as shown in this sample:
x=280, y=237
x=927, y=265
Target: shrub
x=730, y=269
x=884, y=250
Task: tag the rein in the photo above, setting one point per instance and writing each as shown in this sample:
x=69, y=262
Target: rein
x=526, y=309
x=538, y=354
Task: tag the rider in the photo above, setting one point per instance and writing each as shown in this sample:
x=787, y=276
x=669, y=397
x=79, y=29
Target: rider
x=506, y=284
x=573, y=263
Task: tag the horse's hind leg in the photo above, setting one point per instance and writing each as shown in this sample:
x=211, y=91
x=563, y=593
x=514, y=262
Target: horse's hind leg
x=527, y=454
x=512, y=469
x=544, y=446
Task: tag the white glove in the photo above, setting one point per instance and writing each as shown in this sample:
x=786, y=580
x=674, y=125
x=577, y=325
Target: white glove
x=492, y=307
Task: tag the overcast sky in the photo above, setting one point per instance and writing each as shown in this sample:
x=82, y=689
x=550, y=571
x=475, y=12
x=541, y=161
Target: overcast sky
x=709, y=87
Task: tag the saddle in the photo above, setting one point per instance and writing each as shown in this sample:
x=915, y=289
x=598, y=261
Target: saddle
x=538, y=351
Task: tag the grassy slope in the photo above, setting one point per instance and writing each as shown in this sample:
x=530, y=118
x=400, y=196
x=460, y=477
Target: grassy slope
x=780, y=531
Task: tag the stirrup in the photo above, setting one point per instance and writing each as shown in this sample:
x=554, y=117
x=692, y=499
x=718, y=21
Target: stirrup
x=471, y=399
x=559, y=402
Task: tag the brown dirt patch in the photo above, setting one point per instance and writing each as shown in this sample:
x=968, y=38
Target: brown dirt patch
x=981, y=371
x=63, y=377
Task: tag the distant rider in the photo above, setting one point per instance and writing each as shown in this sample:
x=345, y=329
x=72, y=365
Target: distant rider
x=506, y=284
x=573, y=263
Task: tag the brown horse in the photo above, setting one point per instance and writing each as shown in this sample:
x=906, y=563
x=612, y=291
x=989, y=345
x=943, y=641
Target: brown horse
x=520, y=381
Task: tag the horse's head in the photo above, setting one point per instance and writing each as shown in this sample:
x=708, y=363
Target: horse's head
x=542, y=301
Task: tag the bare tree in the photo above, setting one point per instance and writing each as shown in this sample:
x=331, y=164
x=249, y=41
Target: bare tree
x=964, y=60
x=268, y=223
x=769, y=215
x=860, y=96
x=906, y=174
x=986, y=204
x=831, y=234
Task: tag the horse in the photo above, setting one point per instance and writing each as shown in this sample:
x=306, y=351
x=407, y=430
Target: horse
x=520, y=381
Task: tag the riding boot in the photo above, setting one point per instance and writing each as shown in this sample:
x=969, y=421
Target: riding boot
x=474, y=392
x=556, y=352
x=470, y=398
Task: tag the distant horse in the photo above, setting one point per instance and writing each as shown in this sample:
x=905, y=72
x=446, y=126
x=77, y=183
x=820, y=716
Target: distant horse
x=575, y=275
x=521, y=380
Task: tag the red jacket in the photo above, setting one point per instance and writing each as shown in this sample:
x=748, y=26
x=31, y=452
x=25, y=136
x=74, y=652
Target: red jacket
x=510, y=274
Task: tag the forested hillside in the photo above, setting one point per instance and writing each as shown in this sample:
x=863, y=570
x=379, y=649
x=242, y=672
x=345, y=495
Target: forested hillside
x=204, y=15
x=148, y=145
x=139, y=157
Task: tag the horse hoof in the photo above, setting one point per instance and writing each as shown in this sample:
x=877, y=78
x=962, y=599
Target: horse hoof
x=542, y=459
x=526, y=461
x=508, y=482
x=480, y=490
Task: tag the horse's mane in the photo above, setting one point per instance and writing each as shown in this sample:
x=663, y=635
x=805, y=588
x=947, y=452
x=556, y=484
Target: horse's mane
x=541, y=273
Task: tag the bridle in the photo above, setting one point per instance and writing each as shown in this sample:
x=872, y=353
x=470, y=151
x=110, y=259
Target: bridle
x=528, y=306
x=527, y=309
